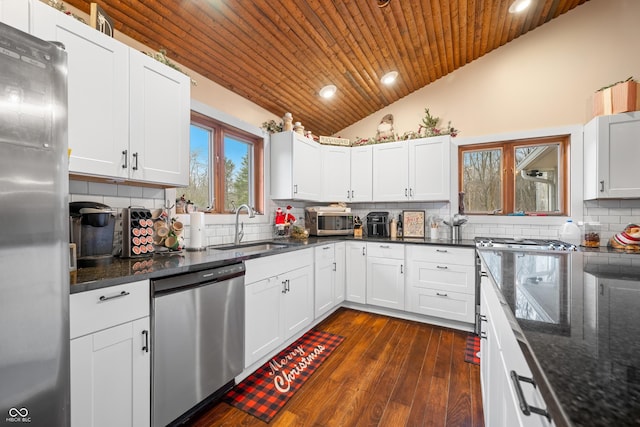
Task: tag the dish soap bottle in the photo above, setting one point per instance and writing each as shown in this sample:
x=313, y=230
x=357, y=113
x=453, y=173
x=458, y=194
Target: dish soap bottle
x=570, y=233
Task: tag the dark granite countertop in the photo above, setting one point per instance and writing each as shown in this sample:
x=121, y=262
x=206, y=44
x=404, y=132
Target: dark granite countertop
x=124, y=270
x=580, y=316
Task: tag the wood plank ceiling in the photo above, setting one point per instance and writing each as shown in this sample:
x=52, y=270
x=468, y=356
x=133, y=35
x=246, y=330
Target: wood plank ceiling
x=279, y=53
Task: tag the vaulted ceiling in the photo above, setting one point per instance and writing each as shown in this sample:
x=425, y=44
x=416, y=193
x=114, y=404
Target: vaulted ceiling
x=279, y=53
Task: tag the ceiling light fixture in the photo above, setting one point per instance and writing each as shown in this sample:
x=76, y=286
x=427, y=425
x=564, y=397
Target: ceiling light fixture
x=328, y=91
x=389, y=78
x=519, y=5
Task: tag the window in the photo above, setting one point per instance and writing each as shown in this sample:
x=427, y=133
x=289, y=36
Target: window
x=225, y=168
x=524, y=176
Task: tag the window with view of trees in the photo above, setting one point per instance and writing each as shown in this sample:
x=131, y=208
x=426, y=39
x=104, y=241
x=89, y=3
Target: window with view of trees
x=225, y=166
x=524, y=176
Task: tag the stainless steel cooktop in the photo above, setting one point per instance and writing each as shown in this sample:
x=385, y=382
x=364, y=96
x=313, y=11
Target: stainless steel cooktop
x=524, y=244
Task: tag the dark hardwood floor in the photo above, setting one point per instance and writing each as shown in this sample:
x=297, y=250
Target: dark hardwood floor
x=387, y=372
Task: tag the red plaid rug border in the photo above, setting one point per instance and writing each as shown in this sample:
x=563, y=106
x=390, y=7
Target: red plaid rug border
x=471, y=350
x=258, y=394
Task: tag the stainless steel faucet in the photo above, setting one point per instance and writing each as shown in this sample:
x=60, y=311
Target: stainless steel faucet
x=239, y=234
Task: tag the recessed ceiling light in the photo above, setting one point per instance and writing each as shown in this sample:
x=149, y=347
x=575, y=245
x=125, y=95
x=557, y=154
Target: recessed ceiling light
x=328, y=91
x=519, y=5
x=389, y=78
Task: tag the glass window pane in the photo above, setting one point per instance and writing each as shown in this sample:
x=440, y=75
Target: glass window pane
x=482, y=180
x=237, y=161
x=199, y=187
x=536, y=178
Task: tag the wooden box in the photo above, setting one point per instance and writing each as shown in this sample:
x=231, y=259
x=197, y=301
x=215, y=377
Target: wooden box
x=619, y=98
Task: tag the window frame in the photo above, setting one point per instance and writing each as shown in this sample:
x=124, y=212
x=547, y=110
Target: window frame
x=508, y=176
x=216, y=161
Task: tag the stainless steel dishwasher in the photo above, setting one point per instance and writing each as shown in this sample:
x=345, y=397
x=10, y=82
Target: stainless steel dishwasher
x=197, y=340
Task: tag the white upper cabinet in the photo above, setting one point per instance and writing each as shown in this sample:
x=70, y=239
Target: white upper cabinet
x=429, y=173
x=361, y=174
x=390, y=178
x=128, y=114
x=416, y=170
x=296, y=167
x=98, y=82
x=159, y=121
x=336, y=173
x=611, y=150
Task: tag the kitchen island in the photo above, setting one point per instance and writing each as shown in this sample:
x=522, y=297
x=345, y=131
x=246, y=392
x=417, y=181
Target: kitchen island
x=576, y=317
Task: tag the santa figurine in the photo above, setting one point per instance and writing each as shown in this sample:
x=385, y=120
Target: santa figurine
x=288, y=217
x=279, y=217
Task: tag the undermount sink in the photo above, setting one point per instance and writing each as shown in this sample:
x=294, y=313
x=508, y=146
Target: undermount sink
x=251, y=247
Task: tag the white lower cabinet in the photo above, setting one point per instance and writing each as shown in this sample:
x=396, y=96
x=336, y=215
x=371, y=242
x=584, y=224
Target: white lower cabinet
x=385, y=275
x=325, y=276
x=278, y=301
x=441, y=282
x=339, y=288
x=110, y=356
x=504, y=373
x=356, y=272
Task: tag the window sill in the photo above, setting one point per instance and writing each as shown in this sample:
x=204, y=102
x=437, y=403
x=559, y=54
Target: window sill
x=517, y=220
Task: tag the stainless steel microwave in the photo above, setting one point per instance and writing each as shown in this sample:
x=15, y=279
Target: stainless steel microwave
x=322, y=223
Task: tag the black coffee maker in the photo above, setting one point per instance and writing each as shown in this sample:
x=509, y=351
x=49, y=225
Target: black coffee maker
x=91, y=227
x=378, y=224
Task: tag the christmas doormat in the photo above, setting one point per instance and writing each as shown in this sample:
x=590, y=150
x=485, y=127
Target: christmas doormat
x=264, y=392
x=472, y=349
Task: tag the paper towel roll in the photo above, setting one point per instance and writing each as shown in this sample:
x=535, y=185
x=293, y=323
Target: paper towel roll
x=196, y=229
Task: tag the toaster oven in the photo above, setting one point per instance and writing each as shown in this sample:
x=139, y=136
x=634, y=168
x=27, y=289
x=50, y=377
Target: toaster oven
x=328, y=223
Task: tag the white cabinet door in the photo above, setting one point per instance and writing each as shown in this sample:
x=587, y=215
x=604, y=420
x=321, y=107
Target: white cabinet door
x=611, y=152
x=340, y=274
x=429, y=169
x=336, y=173
x=98, y=92
x=15, y=13
x=159, y=122
x=390, y=177
x=296, y=167
x=263, y=331
x=325, y=268
x=110, y=377
x=385, y=282
x=361, y=174
x=356, y=272
x=297, y=307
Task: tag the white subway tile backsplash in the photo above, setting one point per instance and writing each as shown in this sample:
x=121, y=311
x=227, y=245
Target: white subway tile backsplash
x=78, y=187
x=103, y=189
x=129, y=191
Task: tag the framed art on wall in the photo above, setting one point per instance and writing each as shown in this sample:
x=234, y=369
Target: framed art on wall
x=413, y=223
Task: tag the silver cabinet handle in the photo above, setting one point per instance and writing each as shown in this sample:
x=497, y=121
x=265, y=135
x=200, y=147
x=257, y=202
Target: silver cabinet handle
x=135, y=157
x=601, y=186
x=348, y=194
x=524, y=406
x=483, y=274
x=442, y=267
x=483, y=318
x=326, y=247
x=441, y=295
x=352, y=194
x=126, y=159
x=284, y=286
x=406, y=192
x=288, y=287
x=363, y=251
x=120, y=295
x=483, y=335
x=411, y=192
x=385, y=246
x=145, y=347
x=335, y=266
x=295, y=189
x=401, y=269
x=442, y=251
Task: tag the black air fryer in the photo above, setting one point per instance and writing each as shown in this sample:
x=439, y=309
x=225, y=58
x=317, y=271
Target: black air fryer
x=378, y=224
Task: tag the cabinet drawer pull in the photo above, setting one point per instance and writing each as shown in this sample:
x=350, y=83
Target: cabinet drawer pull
x=335, y=266
x=483, y=335
x=483, y=318
x=363, y=251
x=385, y=246
x=406, y=194
x=442, y=267
x=326, y=247
x=135, y=157
x=284, y=286
x=442, y=251
x=145, y=347
x=352, y=194
x=126, y=159
x=524, y=406
x=295, y=189
x=601, y=186
x=401, y=269
x=120, y=295
x=442, y=295
x=483, y=274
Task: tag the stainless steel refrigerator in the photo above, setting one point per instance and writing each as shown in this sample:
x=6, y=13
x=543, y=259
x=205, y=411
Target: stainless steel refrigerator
x=34, y=246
